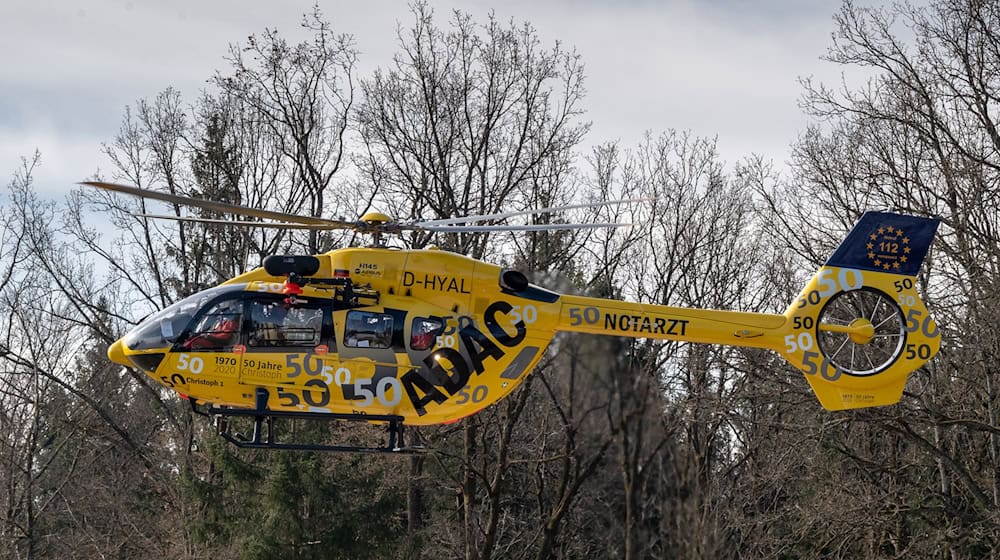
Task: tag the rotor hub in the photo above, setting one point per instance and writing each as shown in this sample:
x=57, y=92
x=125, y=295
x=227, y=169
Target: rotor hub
x=375, y=218
x=862, y=331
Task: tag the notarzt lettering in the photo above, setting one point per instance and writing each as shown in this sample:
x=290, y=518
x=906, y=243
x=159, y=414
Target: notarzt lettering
x=642, y=323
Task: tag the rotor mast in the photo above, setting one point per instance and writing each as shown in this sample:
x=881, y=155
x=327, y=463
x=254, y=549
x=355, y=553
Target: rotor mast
x=376, y=222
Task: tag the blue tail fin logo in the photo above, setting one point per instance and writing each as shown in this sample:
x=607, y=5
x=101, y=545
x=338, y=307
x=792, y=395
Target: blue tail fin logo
x=883, y=242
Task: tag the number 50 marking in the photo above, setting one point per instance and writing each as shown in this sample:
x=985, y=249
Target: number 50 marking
x=793, y=342
x=447, y=341
x=528, y=314
x=186, y=362
x=848, y=279
x=381, y=389
x=588, y=315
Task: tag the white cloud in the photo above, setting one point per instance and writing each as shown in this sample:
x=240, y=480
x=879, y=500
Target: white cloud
x=65, y=159
x=716, y=68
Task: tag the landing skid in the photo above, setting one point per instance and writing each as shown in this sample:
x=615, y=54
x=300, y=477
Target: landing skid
x=265, y=439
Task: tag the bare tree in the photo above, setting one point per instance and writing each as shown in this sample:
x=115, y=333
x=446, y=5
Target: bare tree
x=466, y=117
x=302, y=96
x=920, y=137
x=64, y=408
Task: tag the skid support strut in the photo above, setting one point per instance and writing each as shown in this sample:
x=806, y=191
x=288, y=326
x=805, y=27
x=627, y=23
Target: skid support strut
x=262, y=438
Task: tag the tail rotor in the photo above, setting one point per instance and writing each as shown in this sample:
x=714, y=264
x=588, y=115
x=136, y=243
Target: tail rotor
x=859, y=328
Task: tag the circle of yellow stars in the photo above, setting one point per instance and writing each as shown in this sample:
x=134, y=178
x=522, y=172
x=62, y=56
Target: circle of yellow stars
x=888, y=248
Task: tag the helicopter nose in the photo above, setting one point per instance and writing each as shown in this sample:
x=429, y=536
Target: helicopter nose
x=116, y=353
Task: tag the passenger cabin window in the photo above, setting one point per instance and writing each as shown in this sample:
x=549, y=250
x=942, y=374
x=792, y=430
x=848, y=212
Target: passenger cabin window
x=218, y=328
x=368, y=330
x=423, y=332
x=276, y=323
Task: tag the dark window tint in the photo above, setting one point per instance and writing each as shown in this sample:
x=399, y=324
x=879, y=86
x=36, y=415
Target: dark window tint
x=275, y=323
x=423, y=332
x=368, y=330
x=218, y=328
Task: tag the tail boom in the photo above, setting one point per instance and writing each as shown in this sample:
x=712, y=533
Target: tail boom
x=856, y=331
x=639, y=320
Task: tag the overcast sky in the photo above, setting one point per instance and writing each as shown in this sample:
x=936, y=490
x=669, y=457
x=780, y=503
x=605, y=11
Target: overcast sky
x=724, y=68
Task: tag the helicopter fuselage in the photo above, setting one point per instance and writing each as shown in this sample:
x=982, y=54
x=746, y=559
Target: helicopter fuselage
x=429, y=336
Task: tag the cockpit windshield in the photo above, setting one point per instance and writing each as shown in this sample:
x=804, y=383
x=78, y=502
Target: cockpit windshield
x=164, y=327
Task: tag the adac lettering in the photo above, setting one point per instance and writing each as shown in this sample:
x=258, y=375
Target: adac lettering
x=642, y=323
x=436, y=282
x=446, y=370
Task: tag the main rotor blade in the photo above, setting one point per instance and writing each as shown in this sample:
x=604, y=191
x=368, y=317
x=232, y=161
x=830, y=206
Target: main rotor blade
x=242, y=223
x=219, y=206
x=503, y=215
x=532, y=227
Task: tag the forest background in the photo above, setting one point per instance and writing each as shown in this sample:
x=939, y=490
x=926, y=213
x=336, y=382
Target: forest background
x=613, y=447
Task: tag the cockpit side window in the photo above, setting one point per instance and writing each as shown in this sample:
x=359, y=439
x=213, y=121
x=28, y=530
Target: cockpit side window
x=279, y=323
x=366, y=329
x=218, y=328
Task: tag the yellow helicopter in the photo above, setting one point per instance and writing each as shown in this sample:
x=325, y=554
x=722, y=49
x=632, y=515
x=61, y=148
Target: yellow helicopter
x=419, y=337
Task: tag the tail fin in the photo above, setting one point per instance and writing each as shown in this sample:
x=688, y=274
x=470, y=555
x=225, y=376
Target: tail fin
x=859, y=328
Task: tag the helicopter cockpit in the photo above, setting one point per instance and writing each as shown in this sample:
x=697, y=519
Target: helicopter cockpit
x=165, y=327
x=230, y=318
x=221, y=318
